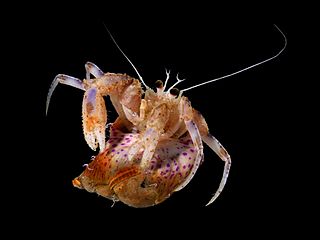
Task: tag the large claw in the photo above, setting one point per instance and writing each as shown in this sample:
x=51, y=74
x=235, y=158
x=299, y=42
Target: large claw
x=94, y=116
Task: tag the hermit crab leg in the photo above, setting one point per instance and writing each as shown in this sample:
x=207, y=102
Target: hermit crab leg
x=216, y=146
x=197, y=142
x=64, y=79
x=155, y=125
x=93, y=69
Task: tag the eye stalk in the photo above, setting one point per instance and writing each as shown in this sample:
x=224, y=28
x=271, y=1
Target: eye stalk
x=159, y=84
x=174, y=91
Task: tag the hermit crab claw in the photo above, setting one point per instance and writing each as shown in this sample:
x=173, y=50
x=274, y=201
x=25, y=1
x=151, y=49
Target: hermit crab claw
x=94, y=118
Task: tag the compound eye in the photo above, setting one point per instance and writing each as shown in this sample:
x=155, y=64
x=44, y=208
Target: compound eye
x=174, y=91
x=159, y=84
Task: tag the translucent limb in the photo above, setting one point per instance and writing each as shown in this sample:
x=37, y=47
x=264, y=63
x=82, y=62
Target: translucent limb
x=216, y=146
x=197, y=142
x=93, y=69
x=64, y=79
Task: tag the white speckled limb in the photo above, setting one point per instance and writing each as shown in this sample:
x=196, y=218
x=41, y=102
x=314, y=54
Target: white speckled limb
x=155, y=125
x=132, y=116
x=196, y=139
x=216, y=146
x=150, y=139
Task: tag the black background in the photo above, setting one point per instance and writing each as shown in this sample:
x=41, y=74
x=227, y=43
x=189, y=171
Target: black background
x=248, y=113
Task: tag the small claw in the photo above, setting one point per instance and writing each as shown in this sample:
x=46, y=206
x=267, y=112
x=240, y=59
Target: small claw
x=94, y=119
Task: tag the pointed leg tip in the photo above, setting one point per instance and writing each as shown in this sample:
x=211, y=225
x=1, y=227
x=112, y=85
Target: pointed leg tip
x=47, y=108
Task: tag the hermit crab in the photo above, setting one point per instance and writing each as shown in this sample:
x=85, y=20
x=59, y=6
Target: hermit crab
x=156, y=143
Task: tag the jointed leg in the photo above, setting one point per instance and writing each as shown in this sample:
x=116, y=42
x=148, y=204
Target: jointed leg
x=93, y=69
x=64, y=79
x=93, y=111
x=151, y=135
x=196, y=139
x=216, y=146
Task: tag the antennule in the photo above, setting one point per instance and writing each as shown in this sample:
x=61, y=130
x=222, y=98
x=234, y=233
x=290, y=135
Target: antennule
x=168, y=76
x=178, y=81
x=244, y=69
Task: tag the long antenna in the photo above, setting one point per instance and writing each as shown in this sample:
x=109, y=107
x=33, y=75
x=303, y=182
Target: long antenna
x=245, y=69
x=114, y=41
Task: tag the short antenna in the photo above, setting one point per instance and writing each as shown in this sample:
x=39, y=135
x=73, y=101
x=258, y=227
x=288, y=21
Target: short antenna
x=245, y=69
x=114, y=41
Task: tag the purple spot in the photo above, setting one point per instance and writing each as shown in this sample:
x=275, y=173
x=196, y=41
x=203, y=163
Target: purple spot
x=168, y=165
x=130, y=135
x=113, y=150
x=116, y=160
x=184, y=166
x=122, y=144
x=92, y=95
x=126, y=155
x=127, y=138
x=191, y=150
x=161, y=173
x=167, y=170
x=114, y=145
x=118, y=152
x=152, y=161
x=189, y=165
x=121, y=150
x=128, y=141
x=184, y=153
x=189, y=158
x=177, y=168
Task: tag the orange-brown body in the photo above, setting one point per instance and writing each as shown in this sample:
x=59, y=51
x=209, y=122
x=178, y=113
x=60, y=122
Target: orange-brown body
x=155, y=145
